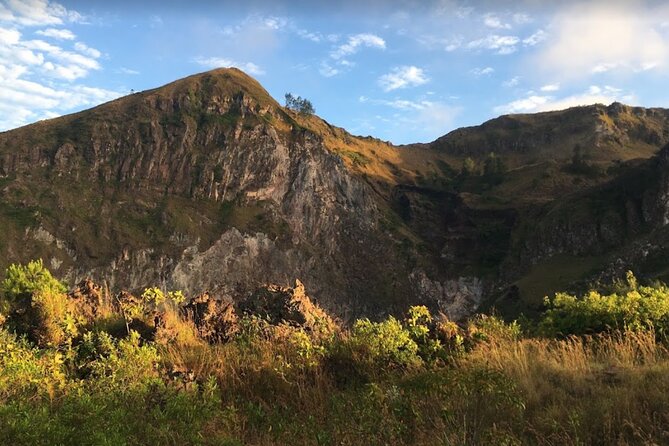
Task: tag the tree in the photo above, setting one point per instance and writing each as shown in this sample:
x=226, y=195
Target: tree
x=299, y=104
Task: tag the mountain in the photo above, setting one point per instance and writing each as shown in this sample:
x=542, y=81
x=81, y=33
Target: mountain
x=208, y=184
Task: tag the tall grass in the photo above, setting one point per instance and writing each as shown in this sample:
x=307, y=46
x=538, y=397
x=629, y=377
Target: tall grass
x=603, y=389
x=104, y=377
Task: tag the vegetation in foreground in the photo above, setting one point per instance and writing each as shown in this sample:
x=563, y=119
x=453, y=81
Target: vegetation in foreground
x=129, y=371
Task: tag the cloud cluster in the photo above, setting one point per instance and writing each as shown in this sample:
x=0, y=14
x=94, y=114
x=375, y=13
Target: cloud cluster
x=36, y=13
x=61, y=34
x=426, y=119
x=478, y=72
x=338, y=58
x=355, y=43
x=534, y=102
x=600, y=37
x=36, y=75
x=403, y=77
x=499, y=44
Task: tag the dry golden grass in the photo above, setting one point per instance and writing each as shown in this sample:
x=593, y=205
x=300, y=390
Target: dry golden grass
x=607, y=389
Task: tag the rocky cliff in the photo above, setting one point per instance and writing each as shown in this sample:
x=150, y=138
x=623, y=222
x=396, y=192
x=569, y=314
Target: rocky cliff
x=206, y=184
x=209, y=185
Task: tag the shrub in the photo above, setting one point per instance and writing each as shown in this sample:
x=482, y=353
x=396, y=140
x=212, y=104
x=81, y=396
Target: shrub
x=37, y=306
x=372, y=349
x=418, y=323
x=121, y=364
x=26, y=371
x=634, y=308
x=52, y=320
x=156, y=297
x=493, y=329
x=385, y=343
x=22, y=281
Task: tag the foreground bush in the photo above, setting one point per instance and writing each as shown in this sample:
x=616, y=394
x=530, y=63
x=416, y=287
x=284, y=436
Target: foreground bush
x=36, y=305
x=632, y=307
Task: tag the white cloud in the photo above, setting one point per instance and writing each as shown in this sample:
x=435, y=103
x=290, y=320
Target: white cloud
x=512, y=82
x=338, y=56
x=60, y=34
x=307, y=35
x=124, y=70
x=85, y=49
x=37, y=13
x=9, y=36
x=275, y=22
x=522, y=18
x=500, y=44
x=25, y=95
x=601, y=37
x=327, y=70
x=428, y=118
x=526, y=105
x=493, y=21
x=220, y=62
x=482, y=71
x=403, y=77
x=356, y=42
x=538, y=37
x=52, y=59
x=534, y=103
x=23, y=101
x=550, y=87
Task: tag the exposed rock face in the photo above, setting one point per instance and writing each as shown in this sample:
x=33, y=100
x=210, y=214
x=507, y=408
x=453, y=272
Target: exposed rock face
x=216, y=321
x=457, y=299
x=292, y=306
x=207, y=184
x=88, y=298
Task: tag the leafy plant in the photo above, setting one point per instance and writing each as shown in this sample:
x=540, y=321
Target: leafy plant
x=156, y=297
x=635, y=308
x=22, y=281
x=418, y=323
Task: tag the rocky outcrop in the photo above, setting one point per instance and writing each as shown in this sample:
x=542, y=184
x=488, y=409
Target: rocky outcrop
x=457, y=299
x=216, y=321
x=88, y=298
x=277, y=305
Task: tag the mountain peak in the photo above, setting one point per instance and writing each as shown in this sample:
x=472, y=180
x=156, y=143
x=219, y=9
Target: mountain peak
x=221, y=81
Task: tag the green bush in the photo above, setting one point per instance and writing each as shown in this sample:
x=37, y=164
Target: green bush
x=418, y=324
x=493, y=329
x=632, y=308
x=120, y=364
x=36, y=305
x=51, y=320
x=156, y=297
x=22, y=281
x=26, y=372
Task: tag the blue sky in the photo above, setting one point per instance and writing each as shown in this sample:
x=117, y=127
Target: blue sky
x=404, y=70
